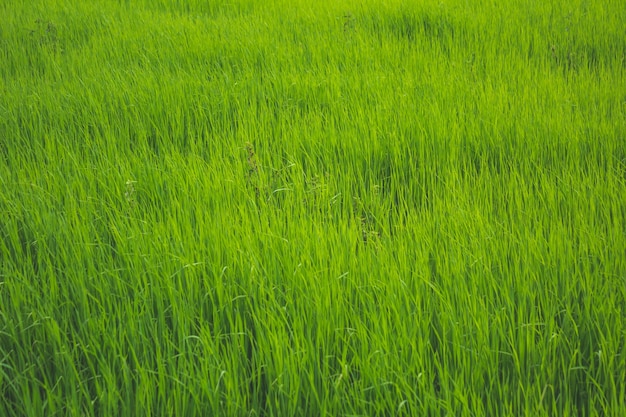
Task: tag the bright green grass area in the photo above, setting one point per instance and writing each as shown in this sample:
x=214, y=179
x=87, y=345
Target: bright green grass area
x=279, y=208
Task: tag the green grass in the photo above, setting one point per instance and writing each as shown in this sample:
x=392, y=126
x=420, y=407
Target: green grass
x=279, y=208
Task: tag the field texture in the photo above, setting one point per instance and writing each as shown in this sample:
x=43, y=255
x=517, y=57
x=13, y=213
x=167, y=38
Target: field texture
x=312, y=208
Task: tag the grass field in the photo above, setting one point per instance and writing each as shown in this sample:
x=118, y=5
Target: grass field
x=279, y=208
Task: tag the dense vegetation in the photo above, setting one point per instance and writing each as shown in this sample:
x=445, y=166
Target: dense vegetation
x=272, y=208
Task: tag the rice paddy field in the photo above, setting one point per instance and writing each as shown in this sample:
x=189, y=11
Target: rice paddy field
x=293, y=208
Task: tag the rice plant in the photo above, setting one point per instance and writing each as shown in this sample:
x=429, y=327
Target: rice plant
x=338, y=208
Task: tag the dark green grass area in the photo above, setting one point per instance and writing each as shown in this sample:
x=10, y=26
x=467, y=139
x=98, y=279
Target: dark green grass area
x=278, y=209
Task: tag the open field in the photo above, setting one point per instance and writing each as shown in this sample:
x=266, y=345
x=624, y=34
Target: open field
x=273, y=208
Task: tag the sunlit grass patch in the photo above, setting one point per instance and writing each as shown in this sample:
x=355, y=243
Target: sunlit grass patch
x=244, y=208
